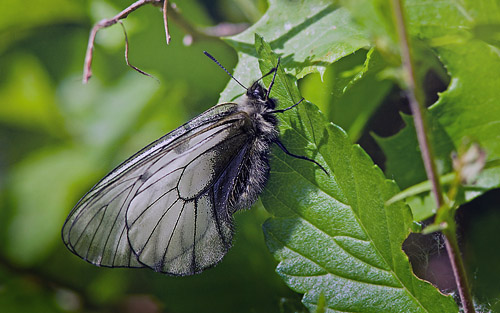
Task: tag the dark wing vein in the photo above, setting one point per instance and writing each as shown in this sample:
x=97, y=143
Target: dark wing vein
x=163, y=259
x=167, y=244
x=112, y=224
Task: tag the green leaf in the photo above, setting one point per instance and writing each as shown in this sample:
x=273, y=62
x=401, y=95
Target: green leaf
x=307, y=37
x=375, y=16
x=350, y=92
x=469, y=108
x=327, y=29
x=332, y=234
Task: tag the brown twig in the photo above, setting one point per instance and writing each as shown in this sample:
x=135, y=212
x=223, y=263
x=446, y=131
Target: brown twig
x=87, y=72
x=415, y=100
x=196, y=33
x=165, y=21
x=126, y=55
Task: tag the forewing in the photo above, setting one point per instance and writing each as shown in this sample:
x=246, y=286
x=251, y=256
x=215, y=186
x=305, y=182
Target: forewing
x=96, y=228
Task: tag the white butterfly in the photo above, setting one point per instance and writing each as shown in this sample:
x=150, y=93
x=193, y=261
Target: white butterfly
x=169, y=207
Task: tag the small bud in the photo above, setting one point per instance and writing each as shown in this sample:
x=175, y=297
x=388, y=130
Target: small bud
x=469, y=164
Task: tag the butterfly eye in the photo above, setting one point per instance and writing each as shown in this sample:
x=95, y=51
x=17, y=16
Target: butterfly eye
x=256, y=91
x=259, y=93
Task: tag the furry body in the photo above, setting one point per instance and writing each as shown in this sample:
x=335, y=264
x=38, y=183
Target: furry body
x=262, y=131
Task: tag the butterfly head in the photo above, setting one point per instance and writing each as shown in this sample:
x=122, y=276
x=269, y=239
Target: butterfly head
x=257, y=93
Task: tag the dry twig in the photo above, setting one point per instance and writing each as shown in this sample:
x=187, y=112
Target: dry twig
x=195, y=33
x=87, y=72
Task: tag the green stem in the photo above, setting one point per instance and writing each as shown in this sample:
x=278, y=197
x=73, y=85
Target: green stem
x=421, y=127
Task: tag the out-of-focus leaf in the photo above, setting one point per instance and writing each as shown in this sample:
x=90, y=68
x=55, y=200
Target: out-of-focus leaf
x=19, y=19
x=15, y=13
x=24, y=294
x=108, y=287
x=28, y=98
x=42, y=182
x=332, y=233
x=102, y=117
x=41, y=185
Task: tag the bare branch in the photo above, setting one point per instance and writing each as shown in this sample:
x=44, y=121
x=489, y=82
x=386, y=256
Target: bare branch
x=165, y=21
x=195, y=32
x=204, y=33
x=225, y=29
x=87, y=72
x=126, y=55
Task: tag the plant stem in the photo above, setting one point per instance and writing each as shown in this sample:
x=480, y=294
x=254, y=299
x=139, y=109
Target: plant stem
x=415, y=100
x=458, y=269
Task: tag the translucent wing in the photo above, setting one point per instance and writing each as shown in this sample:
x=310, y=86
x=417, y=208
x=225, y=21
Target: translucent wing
x=167, y=206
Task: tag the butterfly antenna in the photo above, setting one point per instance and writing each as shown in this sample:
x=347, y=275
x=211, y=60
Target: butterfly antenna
x=222, y=67
x=275, y=70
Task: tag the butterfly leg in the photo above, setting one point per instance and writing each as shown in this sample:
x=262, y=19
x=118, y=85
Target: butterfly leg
x=282, y=147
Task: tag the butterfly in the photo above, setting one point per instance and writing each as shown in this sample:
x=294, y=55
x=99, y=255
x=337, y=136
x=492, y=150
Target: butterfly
x=169, y=207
